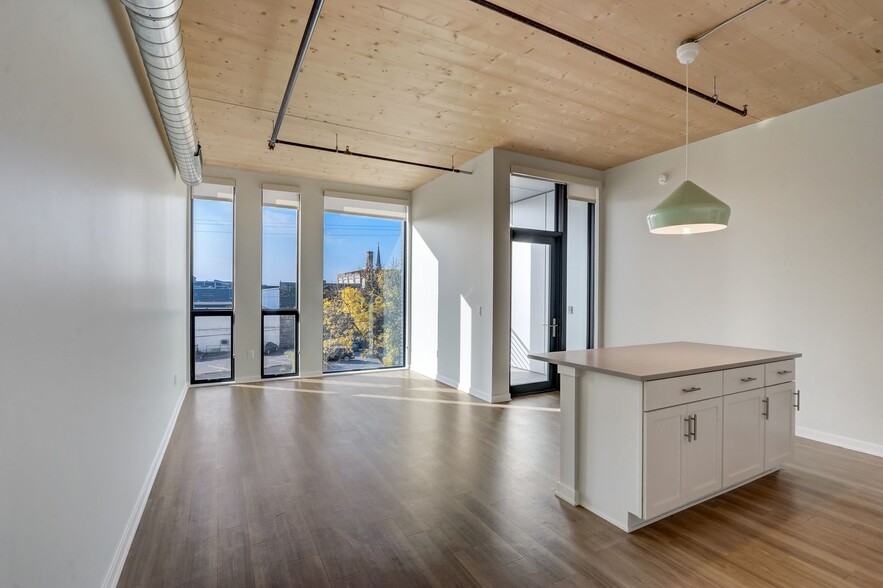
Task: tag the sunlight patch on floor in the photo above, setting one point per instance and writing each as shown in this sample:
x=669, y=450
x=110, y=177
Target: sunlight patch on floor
x=339, y=381
x=476, y=404
x=285, y=389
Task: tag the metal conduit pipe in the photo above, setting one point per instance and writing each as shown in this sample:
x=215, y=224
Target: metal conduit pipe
x=160, y=42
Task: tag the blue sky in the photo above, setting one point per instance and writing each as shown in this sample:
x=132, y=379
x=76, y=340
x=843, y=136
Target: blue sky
x=347, y=238
x=212, y=239
x=279, y=245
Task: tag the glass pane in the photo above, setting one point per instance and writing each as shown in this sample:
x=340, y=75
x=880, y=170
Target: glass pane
x=212, y=254
x=530, y=312
x=363, y=292
x=280, y=345
x=279, y=282
x=578, y=267
x=212, y=347
x=532, y=204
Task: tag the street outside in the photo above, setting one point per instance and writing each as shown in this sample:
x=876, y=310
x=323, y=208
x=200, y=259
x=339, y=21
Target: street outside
x=358, y=362
x=210, y=367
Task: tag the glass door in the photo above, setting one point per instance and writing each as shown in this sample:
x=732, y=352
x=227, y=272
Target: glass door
x=536, y=317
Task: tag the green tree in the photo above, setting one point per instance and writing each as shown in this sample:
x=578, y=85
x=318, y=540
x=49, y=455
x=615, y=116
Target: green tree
x=369, y=318
x=392, y=331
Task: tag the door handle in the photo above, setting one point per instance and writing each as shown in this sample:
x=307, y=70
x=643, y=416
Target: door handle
x=695, y=426
x=689, y=432
x=766, y=408
x=746, y=380
x=797, y=404
x=554, y=326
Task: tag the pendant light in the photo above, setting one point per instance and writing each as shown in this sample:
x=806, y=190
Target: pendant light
x=689, y=209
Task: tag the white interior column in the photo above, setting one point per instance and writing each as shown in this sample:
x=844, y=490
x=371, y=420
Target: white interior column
x=567, y=483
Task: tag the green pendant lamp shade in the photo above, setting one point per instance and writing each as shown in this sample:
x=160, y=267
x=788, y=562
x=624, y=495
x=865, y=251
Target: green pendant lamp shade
x=689, y=209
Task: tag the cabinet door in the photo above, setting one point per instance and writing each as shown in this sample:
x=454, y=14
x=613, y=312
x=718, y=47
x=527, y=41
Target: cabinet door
x=743, y=437
x=779, y=434
x=664, y=440
x=701, y=461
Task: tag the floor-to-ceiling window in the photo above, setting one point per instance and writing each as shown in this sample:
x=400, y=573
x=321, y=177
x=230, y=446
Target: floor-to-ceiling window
x=279, y=291
x=364, y=284
x=211, y=261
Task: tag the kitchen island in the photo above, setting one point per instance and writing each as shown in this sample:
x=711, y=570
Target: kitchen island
x=649, y=430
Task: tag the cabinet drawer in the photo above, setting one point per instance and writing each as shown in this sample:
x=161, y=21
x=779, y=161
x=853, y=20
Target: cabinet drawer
x=779, y=371
x=683, y=389
x=744, y=378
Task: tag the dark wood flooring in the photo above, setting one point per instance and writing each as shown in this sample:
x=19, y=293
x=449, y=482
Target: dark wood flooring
x=390, y=479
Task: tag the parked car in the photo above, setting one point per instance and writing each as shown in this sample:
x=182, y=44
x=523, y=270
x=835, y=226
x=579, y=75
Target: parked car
x=270, y=348
x=338, y=353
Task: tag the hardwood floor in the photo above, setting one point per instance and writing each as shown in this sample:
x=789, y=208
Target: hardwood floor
x=390, y=479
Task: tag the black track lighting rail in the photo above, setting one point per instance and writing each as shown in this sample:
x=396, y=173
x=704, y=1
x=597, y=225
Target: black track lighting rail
x=607, y=55
x=375, y=157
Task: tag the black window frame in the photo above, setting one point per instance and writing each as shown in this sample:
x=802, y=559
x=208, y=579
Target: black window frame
x=295, y=312
x=202, y=312
x=406, y=222
x=265, y=312
x=194, y=314
x=557, y=242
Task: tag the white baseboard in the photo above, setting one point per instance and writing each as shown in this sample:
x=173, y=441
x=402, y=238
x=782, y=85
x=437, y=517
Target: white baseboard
x=446, y=381
x=122, y=550
x=480, y=394
x=475, y=392
x=246, y=380
x=840, y=441
x=567, y=494
x=501, y=398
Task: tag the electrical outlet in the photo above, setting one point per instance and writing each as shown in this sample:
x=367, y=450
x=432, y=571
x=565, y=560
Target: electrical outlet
x=251, y=353
x=175, y=379
x=569, y=310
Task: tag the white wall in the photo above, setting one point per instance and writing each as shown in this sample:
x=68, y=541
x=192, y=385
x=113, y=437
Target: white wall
x=798, y=269
x=247, y=272
x=451, y=277
x=92, y=299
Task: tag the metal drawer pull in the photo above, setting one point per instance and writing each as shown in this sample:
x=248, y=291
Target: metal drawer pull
x=691, y=389
x=766, y=408
x=783, y=372
x=689, y=429
x=694, y=426
x=797, y=405
x=746, y=380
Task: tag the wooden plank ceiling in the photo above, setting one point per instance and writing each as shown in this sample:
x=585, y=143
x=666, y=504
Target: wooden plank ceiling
x=431, y=80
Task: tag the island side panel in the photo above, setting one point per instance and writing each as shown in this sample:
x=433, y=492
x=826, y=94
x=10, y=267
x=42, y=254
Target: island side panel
x=610, y=443
x=569, y=452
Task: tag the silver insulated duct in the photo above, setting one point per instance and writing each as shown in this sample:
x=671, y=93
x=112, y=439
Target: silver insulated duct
x=160, y=41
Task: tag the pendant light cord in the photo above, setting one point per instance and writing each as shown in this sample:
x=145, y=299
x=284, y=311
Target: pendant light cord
x=687, y=124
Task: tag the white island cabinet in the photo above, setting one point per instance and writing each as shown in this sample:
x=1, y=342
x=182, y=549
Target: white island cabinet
x=649, y=430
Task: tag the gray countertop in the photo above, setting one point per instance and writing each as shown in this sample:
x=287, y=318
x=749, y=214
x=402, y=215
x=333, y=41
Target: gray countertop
x=662, y=360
